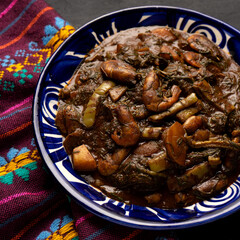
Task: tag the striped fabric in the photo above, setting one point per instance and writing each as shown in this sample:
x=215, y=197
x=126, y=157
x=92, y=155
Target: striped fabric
x=31, y=204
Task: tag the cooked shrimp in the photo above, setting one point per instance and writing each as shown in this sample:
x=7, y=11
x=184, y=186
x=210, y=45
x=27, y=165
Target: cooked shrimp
x=171, y=53
x=193, y=59
x=165, y=33
x=129, y=133
x=112, y=162
x=150, y=96
x=119, y=71
x=202, y=44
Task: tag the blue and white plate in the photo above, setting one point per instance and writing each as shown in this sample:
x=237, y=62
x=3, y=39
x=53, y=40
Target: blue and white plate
x=58, y=71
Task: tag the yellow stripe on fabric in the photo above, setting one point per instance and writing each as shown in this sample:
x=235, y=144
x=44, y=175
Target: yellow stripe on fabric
x=19, y=161
x=60, y=36
x=67, y=232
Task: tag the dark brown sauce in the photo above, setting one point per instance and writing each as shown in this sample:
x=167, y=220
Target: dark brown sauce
x=180, y=160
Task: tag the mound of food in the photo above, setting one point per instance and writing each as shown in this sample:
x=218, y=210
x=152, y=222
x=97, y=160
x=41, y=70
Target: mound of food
x=152, y=117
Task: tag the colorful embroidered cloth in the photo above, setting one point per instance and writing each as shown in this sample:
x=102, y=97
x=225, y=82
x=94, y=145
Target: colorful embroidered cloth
x=32, y=205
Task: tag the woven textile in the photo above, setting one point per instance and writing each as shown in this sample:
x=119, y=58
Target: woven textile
x=32, y=205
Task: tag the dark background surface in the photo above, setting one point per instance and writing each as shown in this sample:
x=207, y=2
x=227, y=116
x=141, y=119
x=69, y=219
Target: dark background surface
x=79, y=12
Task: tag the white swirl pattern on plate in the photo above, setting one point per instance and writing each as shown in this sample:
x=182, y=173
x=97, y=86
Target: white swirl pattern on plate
x=229, y=195
x=219, y=37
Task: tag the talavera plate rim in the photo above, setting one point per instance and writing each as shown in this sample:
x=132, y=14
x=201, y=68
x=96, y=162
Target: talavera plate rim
x=50, y=145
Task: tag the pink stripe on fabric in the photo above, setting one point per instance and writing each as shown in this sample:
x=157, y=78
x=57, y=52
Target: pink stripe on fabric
x=82, y=219
x=18, y=105
x=8, y=8
x=10, y=198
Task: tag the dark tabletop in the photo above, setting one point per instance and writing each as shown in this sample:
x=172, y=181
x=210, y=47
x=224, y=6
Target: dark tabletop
x=79, y=12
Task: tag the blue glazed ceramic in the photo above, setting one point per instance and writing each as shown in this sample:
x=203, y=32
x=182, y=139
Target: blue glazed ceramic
x=58, y=71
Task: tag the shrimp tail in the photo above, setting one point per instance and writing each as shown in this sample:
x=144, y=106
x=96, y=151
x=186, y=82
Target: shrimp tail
x=129, y=133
